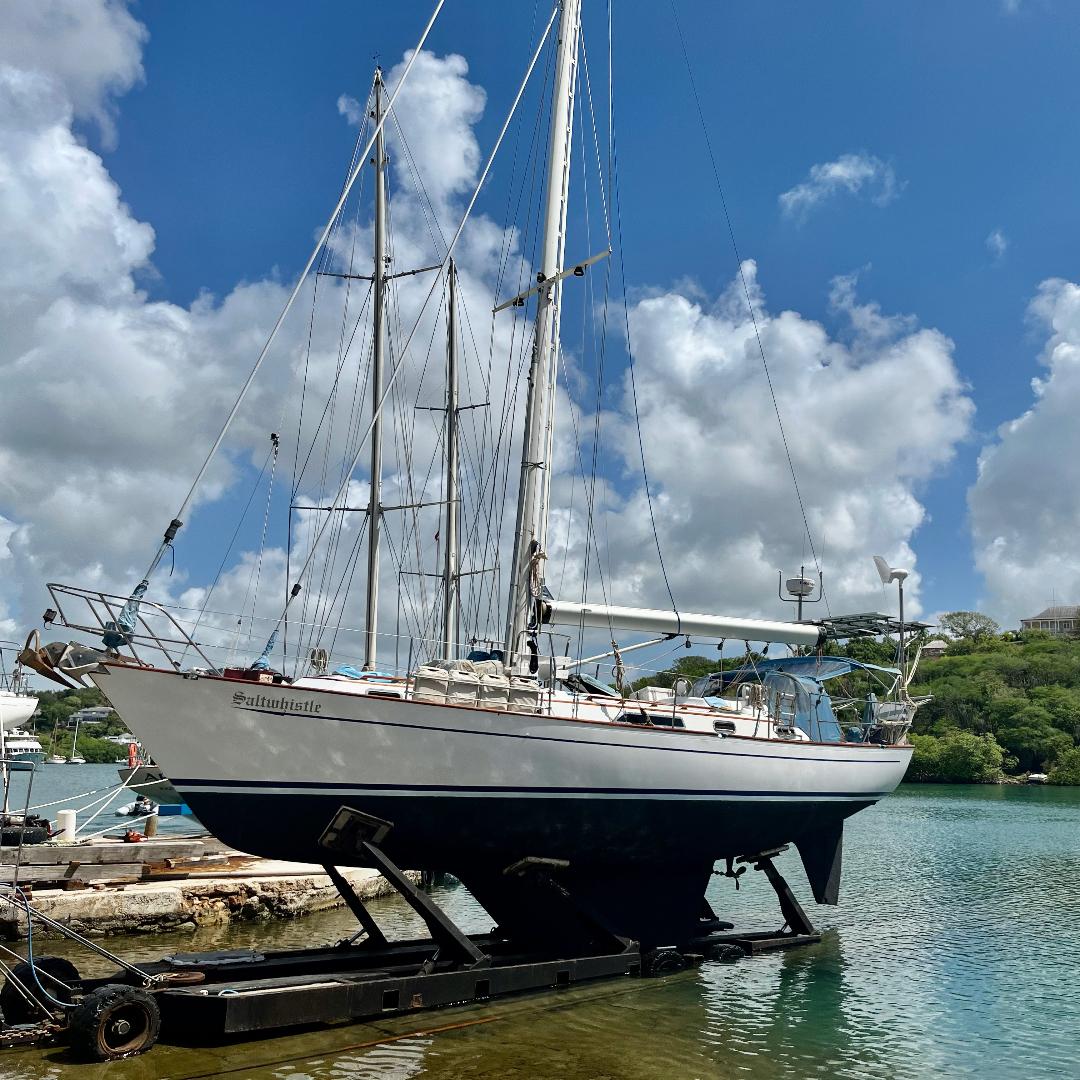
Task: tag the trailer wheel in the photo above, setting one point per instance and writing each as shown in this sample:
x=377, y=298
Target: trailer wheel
x=665, y=962
x=725, y=953
x=115, y=1021
x=15, y=1007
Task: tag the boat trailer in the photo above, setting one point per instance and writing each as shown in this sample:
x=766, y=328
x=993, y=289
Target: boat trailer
x=217, y=995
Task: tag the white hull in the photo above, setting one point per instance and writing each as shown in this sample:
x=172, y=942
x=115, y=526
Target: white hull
x=236, y=749
x=15, y=709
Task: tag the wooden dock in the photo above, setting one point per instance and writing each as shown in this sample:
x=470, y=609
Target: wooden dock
x=114, y=862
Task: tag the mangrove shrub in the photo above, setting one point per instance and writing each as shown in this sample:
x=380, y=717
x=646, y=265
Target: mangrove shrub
x=1066, y=769
x=958, y=757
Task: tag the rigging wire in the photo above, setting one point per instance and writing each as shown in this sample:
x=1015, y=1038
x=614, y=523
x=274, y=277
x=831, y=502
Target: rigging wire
x=325, y=262
x=255, y=576
x=589, y=485
x=617, y=200
x=746, y=291
x=271, y=453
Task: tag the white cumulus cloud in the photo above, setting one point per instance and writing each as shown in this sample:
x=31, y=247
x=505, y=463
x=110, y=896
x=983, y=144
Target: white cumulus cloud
x=852, y=174
x=1025, y=504
x=871, y=413
x=91, y=49
x=351, y=109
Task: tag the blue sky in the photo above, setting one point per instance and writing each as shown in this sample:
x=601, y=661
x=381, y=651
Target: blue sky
x=232, y=148
x=965, y=101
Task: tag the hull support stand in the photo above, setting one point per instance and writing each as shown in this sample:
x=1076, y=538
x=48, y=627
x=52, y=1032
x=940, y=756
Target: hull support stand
x=797, y=929
x=353, y=902
x=795, y=918
x=353, y=834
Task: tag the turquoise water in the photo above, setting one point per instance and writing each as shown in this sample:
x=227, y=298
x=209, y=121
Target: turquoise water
x=86, y=789
x=955, y=952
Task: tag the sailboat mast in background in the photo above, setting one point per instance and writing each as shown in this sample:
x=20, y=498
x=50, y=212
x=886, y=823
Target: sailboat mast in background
x=451, y=570
x=377, y=365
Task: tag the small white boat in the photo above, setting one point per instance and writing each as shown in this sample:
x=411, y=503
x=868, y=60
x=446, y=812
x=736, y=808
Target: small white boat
x=141, y=807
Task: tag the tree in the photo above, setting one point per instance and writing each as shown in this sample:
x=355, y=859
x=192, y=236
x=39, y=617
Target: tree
x=969, y=625
x=1027, y=731
x=1066, y=769
x=956, y=758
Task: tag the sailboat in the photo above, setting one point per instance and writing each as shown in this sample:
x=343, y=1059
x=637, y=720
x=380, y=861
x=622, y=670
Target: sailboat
x=55, y=758
x=75, y=758
x=515, y=757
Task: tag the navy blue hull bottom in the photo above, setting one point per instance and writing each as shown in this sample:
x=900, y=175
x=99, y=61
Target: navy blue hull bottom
x=639, y=867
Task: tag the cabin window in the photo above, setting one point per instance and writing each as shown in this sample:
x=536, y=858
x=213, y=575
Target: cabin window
x=644, y=719
x=665, y=720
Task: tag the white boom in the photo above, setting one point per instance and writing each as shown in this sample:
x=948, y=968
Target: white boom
x=656, y=621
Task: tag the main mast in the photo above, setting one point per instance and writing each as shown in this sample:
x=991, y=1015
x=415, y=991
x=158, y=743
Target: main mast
x=530, y=536
x=450, y=525
x=371, y=624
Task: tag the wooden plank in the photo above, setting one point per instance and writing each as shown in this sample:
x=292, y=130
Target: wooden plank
x=55, y=854
x=74, y=872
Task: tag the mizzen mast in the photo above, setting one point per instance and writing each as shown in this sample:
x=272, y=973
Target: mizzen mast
x=530, y=536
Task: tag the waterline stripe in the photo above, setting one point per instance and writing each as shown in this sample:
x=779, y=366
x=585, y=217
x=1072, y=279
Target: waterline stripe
x=278, y=787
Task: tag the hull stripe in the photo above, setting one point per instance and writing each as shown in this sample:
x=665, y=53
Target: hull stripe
x=278, y=787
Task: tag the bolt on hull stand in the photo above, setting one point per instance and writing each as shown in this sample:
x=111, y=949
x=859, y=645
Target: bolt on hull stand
x=215, y=995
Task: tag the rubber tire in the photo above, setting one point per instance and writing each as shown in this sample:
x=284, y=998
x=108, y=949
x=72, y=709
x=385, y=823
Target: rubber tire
x=31, y=834
x=93, y=1032
x=665, y=962
x=14, y=1006
x=726, y=953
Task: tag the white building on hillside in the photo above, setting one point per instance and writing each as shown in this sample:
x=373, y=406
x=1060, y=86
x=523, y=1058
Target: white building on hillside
x=1061, y=619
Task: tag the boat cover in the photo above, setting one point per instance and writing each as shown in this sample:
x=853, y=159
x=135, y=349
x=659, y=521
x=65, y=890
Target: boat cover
x=803, y=678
